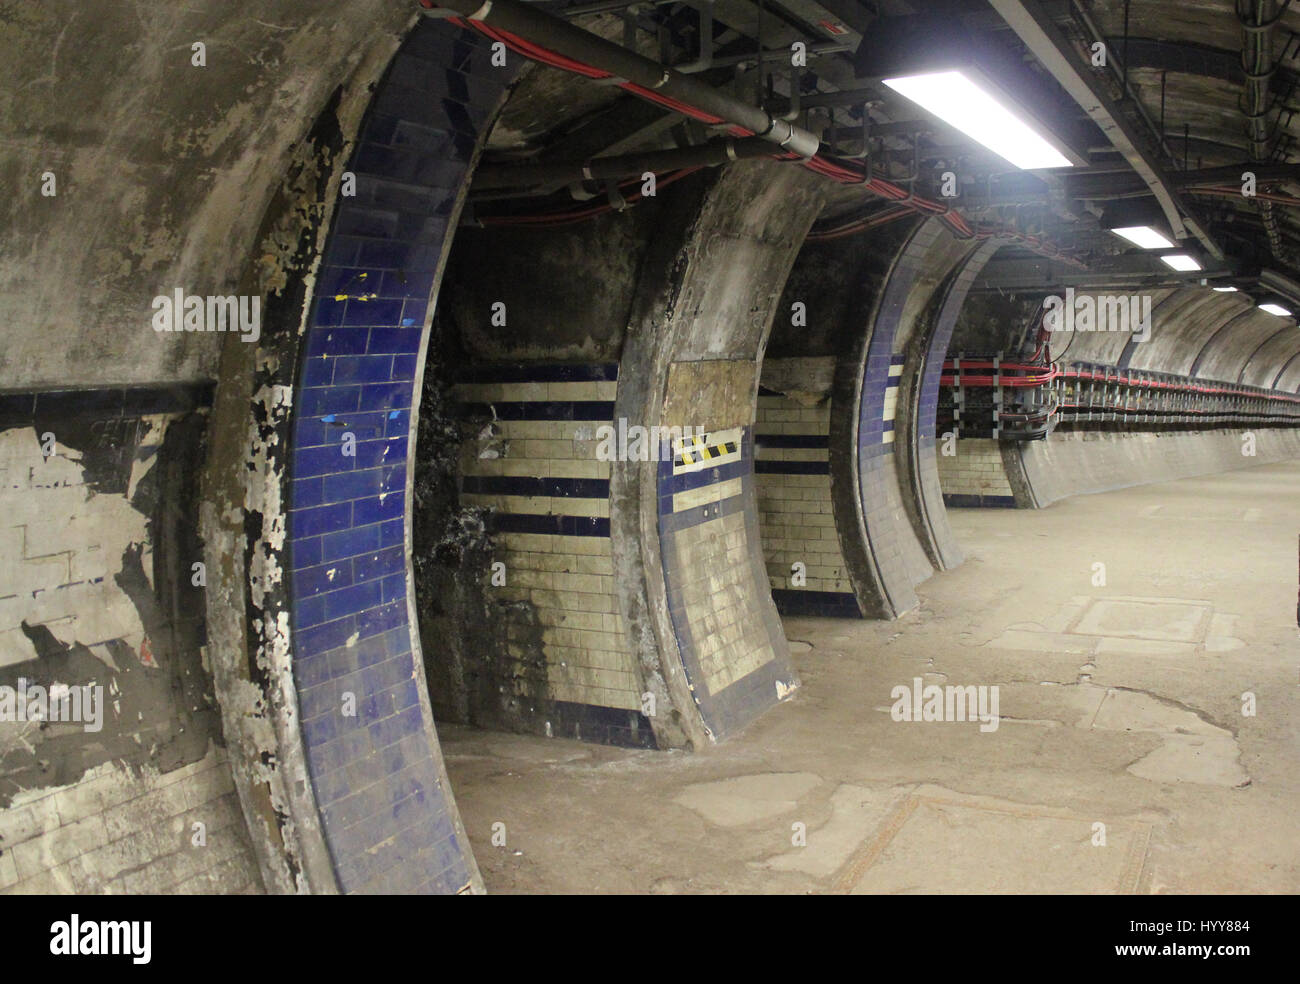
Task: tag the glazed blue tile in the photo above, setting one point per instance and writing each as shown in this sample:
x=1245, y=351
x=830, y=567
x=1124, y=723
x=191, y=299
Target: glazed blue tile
x=404, y=367
x=352, y=485
x=395, y=584
x=306, y=492
x=371, y=454
x=378, y=563
x=353, y=600
x=325, y=638
x=336, y=341
x=350, y=542
x=308, y=612
x=328, y=399
x=386, y=396
x=305, y=553
x=395, y=338
x=317, y=372
x=325, y=460
x=319, y=519
x=376, y=509
x=362, y=369
x=382, y=617
x=376, y=312
x=308, y=581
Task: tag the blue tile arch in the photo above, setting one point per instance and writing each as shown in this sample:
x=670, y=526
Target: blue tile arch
x=937, y=535
x=386, y=812
x=883, y=583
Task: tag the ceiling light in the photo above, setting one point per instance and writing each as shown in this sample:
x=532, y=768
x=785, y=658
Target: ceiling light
x=1277, y=309
x=973, y=110
x=1181, y=262
x=1224, y=290
x=1143, y=236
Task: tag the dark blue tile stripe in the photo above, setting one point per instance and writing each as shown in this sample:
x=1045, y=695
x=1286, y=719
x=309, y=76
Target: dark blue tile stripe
x=541, y=410
x=547, y=525
x=792, y=467
x=792, y=441
x=880, y=353
x=826, y=604
x=967, y=500
x=385, y=816
x=579, y=488
x=670, y=483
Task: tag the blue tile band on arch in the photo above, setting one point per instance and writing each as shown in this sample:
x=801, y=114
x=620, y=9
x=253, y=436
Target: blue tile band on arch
x=377, y=776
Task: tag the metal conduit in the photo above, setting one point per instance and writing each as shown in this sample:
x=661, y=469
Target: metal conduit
x=1258, y=65
x=629, y=67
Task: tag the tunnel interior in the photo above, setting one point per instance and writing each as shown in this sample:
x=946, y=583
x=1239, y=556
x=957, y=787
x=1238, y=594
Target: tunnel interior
x=655, y=403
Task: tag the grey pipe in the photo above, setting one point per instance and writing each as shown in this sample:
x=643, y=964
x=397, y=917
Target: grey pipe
x=715, y=152
x=573, y=42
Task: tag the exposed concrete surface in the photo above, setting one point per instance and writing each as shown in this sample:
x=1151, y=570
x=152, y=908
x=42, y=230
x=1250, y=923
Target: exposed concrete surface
x=132, y=791
x=163, y=166
x=1078, y=462
x=1101, y=723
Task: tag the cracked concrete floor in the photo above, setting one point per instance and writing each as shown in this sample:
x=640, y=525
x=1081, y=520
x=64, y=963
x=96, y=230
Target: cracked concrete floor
x=1123, y=761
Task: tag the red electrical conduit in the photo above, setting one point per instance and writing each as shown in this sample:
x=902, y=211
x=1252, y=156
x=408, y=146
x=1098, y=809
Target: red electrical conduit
x=1038, y=377
x=818, y=163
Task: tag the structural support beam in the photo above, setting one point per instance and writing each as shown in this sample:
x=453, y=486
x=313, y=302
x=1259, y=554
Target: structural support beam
x=1126, y=185
x=1135, y=270
x=642, y=76
x=710, y=154
x=1050, y=47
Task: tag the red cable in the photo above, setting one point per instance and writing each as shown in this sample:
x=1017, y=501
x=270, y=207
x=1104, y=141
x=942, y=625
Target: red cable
x=954, y=220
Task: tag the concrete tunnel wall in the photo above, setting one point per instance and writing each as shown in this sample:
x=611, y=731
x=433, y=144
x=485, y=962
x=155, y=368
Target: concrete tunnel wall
x=617, y=622
x=856, y=373
x=892, y=533
x=1195, y=333
x=685, y=530
x=543, y=647
x=325, y=807
x=165, y=174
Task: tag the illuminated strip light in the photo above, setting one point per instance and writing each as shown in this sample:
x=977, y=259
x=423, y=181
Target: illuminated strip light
x=967, y=107
x=1181, y=262
x=1277, y=309
x=1143, y=236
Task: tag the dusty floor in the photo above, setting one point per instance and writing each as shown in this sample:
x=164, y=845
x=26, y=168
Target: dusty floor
x=1121, y=706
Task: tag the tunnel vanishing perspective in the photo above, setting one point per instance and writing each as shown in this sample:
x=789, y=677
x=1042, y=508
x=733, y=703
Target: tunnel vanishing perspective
x=823, y=446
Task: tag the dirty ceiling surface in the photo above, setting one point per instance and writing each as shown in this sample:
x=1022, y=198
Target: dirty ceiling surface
x=1183, y=80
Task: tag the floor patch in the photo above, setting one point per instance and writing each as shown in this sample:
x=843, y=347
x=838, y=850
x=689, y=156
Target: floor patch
x=746, y=799
x=944, y=845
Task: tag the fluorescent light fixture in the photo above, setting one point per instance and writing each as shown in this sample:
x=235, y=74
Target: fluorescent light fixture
x=1225, y=290
x=1277, y=309
x=1143, y=236
x=1181, y=262
x=967, y=107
